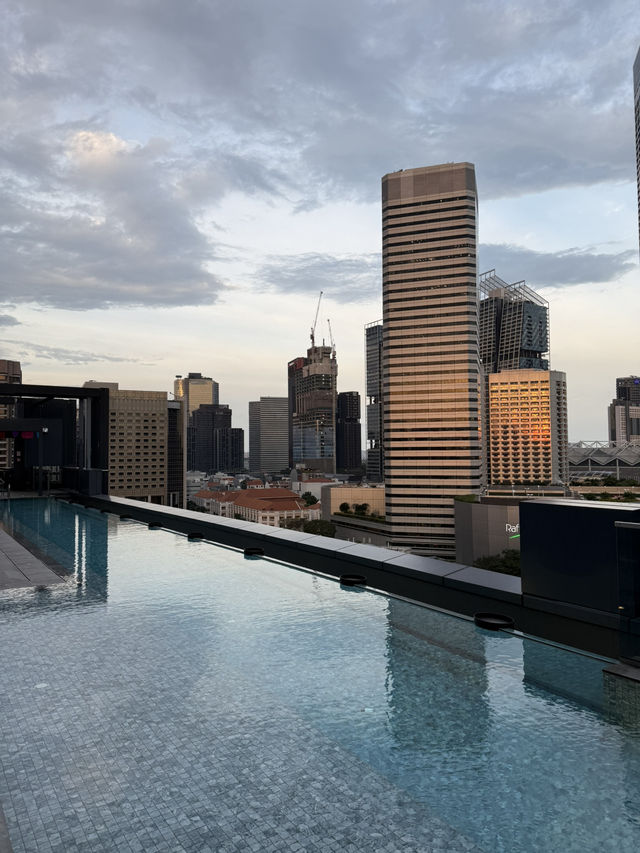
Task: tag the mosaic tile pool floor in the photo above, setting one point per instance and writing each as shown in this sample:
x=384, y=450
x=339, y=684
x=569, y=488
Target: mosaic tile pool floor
x=172, y=696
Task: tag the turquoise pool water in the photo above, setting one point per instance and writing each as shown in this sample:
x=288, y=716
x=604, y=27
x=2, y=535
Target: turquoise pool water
x=171, y=695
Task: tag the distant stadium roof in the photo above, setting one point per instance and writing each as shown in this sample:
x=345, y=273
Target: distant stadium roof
x=604, y=453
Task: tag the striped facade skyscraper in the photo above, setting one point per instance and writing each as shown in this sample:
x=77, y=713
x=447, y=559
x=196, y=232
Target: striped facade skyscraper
x=430, y=353
x=269, y=435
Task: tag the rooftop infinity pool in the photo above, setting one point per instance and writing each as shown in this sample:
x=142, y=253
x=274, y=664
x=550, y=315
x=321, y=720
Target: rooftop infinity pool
x=172, y=695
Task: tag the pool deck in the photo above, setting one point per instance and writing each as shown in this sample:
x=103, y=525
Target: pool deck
x=20, y=568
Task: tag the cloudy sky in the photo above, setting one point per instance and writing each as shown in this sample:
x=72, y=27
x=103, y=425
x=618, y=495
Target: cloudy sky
x=180, y=180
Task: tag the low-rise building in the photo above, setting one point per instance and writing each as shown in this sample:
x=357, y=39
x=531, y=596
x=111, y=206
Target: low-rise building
x=364, y=522
x=271, y=506
x=333, y=496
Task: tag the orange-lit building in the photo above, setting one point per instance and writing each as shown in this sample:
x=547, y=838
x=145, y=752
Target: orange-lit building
x=528, y=439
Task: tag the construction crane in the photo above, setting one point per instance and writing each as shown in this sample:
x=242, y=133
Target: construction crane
x=313, y=328
x=333, y=343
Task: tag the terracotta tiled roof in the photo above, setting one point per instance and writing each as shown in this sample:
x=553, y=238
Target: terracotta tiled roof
x=265, y=500
x=221, y=496
x=269, y=500
x=205, y=493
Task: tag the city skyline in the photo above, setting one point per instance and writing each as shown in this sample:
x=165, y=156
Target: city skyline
x=207, y=200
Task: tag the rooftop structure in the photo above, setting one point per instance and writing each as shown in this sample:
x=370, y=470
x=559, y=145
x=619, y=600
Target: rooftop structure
x=513, y=325
x=84, y=466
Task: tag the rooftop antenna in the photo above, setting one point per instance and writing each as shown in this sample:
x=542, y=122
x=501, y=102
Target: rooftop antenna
x=313, y=328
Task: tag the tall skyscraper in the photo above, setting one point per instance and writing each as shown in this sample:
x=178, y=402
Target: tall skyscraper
x=10, y=372
x=348, y=432
x=513, y=325
x=624, y=411
x=312, y=403
x=636, y=101
x=528, y=437
x=373, y=360
x=196, y=390
x=268, y=435
x=430, y=353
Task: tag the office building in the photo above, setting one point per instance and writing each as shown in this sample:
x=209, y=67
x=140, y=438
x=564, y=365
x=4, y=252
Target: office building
x=636, y=101
x=214, y=444
x=624, y=411
x=528, y=441
x=228, y=450
x=312, y=403
x=430, y=353
x=348, y=432
x=138, y=432
x=10, y=372
x=513, y=326
x=373, y=361
x=269, y=435
x=196, y=390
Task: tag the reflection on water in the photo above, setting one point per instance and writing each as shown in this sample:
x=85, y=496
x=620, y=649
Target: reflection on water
x=74, y=544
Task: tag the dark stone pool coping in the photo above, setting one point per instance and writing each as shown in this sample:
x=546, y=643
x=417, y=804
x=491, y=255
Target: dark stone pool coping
x=460, y=589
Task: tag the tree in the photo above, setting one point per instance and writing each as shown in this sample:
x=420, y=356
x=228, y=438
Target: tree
x=309, y=499
x=320, y=528
x=344, y=507
x=360, y=509
x=243, y=484
x=508, y=562
x=293, y=523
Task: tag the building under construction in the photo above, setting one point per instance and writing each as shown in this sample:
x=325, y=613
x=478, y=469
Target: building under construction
x=312, y=383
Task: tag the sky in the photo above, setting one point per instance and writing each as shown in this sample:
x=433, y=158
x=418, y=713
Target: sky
x=179, y=181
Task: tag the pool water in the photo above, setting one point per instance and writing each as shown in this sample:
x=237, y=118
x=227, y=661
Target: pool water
x=173, y=695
